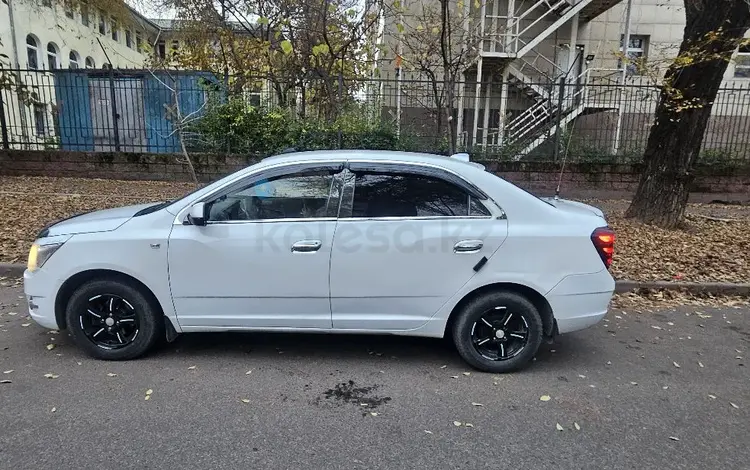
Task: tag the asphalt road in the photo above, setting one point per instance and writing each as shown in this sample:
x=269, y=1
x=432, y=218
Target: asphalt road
x=619, y=381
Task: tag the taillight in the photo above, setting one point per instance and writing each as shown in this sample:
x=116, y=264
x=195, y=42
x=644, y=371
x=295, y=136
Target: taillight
x=604, y=241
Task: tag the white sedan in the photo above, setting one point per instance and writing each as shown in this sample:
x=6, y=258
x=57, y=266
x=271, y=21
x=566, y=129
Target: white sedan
x=331, y=242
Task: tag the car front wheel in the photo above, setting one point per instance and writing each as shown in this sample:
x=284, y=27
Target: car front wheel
x=112, y=319
x=498, y=332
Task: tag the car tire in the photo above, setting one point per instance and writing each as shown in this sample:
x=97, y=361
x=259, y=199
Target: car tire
x=488, y=332
x=129, y=321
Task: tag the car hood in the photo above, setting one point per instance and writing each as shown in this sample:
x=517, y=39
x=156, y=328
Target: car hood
x=574, y=207
x=98, y=221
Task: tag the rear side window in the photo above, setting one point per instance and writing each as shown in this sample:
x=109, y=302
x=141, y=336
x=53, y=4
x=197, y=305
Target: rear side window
x=410, y=195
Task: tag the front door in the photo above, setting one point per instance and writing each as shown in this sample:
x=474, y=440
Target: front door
x=262, y=259
x=406, y=243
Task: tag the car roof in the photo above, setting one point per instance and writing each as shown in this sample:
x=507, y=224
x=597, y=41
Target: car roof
x=372, y=155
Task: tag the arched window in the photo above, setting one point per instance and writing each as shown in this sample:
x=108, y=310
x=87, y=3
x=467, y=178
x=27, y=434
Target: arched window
x=90, y=64
x=52, y=56
x=32, y=52
x=73, y=60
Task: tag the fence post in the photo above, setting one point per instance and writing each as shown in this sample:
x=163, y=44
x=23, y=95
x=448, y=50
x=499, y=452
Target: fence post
x=115, y=116
x=3, y=123
x=558, y=118
x=338, y=108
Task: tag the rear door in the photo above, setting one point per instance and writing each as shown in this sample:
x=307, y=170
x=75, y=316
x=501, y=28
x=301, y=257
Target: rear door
x=408, y=238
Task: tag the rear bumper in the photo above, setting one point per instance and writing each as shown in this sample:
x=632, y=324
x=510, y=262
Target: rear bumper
x=581, y=301
x=41, y=302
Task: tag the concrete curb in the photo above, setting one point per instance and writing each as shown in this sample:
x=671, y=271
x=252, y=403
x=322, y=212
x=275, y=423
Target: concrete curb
x=716, y=288
x=10, y=269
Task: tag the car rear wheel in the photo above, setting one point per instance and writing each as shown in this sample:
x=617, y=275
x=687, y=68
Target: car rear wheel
x=498, y=332
x=112, y=319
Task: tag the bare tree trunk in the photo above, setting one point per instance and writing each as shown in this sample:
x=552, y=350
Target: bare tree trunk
x=713, y=31
x=179, y=123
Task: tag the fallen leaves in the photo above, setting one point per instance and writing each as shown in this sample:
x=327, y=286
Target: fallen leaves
x=734, y=405
x=9, y=371
x=577, y=426
x=674, y=438
x=51, y=376
x=476, y=404
x=53, y=410
x=245, y=400
x=149, y=392
x=457, y=423
x=111, y=374
x=559, y=427
x=50, y=347
x=545, y=398
x=191, y=368
x=675, y=364
x=248, y=372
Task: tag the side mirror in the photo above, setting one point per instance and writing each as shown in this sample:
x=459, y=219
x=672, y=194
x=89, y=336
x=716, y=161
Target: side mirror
x=197, y=214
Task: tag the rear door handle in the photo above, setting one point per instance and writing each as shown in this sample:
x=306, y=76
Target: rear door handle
x=468, y=246
x=307, y=246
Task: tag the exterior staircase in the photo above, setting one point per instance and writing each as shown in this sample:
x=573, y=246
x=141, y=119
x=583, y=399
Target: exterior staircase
x=515, y=47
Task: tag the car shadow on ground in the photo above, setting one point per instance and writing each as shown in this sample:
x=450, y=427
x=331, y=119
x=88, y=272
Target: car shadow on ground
x=348, y=347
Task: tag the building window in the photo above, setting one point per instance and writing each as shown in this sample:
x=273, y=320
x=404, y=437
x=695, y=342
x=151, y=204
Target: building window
x=161, y=50
x=68, y=6
x=90, y=64
x=138, y=43
x=84, y=15
x=102, y=23
x=73, y=60
x=32, y=52
x=40, y=117
x=636, y=54
x=52, y=53
x=113, y=30
x=128, y=38
x=742, y=63
x=47, y=3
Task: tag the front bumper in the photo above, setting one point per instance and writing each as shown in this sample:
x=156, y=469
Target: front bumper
x=40, y=298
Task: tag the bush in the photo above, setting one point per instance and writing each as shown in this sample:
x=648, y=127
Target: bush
x=237, y=128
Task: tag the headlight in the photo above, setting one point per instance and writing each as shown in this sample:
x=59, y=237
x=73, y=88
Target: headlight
x=39, y=254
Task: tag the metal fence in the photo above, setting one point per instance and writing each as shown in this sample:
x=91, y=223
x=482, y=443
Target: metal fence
x=589, y=117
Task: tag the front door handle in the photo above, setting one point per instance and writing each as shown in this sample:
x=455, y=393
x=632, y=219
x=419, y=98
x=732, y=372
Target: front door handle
x=306, y=246
x=468, y=246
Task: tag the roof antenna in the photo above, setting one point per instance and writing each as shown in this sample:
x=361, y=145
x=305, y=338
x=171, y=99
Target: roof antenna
x=562, y=166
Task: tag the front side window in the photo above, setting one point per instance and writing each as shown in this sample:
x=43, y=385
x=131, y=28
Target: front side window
x=302, y=195
x=90, y=64
x=411, y=195
x=102, y=23
x=742, y=63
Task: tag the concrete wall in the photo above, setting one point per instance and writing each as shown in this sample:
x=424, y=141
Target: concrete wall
x=536, y=176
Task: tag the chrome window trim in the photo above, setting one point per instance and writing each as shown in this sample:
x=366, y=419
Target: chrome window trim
x=434, y=217
x=271, y=221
